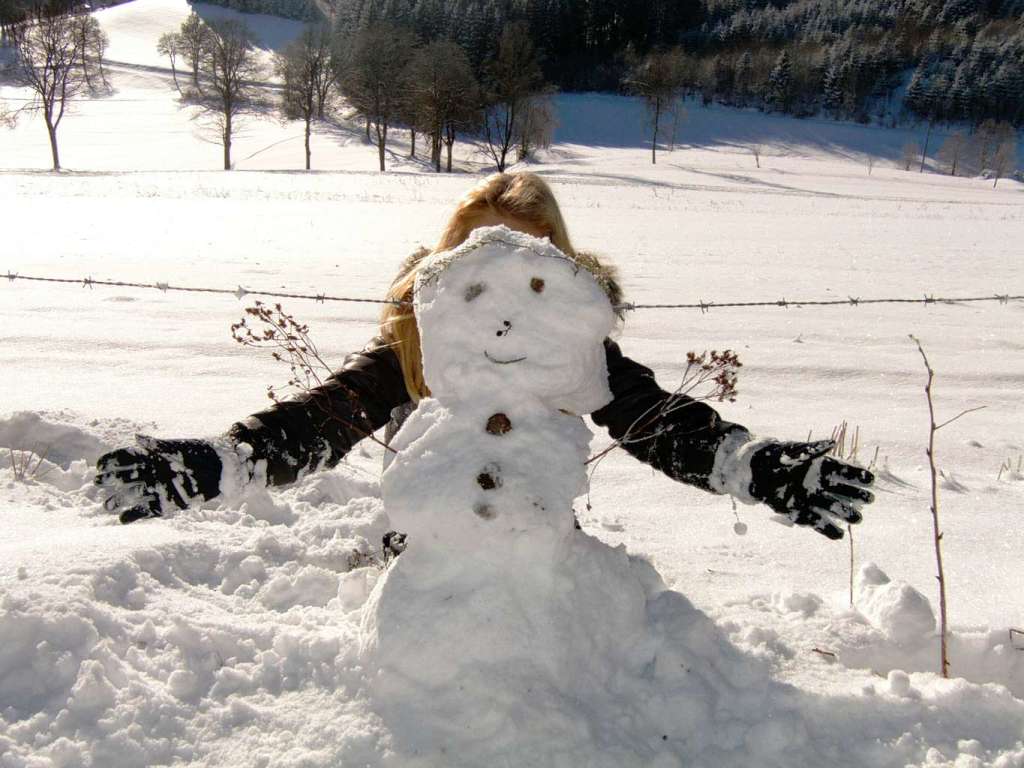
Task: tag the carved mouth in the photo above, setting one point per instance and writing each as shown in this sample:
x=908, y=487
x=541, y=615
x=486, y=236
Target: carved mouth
x=496, y=361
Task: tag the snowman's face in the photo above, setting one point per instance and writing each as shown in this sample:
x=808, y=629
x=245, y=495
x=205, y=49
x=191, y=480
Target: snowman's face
x=507, y=313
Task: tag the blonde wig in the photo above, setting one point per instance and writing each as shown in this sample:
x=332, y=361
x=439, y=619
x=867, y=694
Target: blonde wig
x=522, y=196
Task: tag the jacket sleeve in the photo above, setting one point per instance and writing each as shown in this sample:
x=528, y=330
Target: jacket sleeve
x=317, y=428
x=682, y=443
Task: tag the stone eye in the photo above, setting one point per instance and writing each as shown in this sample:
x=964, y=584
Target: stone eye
x=474, y=290
x=537, y=285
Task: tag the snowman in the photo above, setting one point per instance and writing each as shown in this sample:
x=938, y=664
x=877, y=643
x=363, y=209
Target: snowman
x=502, y=629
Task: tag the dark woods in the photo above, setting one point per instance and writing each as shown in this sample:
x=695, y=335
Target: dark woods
x=849, y=59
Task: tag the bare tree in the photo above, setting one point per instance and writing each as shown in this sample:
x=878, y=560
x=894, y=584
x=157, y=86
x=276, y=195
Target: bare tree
x=984, y=143
x=537, y=128
x=93, y=42
x=1004, y=161
x=229, y=65
x=374, y=77
x=677, y=110
x=657, y=80
x=304, y=66
x=513, y=78
x=951, y=152
x=755, y=150
x=442, y=96
x=323, y=80
x=910, y=152
x=51, y=60
x=171, y=45
x=194, y=32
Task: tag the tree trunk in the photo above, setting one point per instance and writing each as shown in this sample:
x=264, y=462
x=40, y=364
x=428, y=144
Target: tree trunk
x=368, y=128
x=412, y=138
x=924, y=152
x=227, y=143
x=449, y=141
x=382, y=138
x=52, y=131
x=654, y=135
x=308, y=154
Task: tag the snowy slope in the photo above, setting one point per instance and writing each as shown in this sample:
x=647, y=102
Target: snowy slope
x=226, y=636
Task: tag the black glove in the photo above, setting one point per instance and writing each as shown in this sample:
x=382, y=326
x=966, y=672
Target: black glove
x=798, y=480
x=157, y=476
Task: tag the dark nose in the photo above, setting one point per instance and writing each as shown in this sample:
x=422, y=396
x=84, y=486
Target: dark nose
x=505, y=331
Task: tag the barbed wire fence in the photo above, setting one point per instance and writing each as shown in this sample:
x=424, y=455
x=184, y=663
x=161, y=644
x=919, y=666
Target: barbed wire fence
x=704, y=306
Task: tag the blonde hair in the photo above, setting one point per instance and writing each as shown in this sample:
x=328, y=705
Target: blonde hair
x=523, y=196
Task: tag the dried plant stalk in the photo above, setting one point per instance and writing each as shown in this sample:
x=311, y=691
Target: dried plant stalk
x=292, y=344
x=936, y=531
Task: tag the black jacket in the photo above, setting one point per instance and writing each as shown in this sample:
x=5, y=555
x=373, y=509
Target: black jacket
x=318, y=428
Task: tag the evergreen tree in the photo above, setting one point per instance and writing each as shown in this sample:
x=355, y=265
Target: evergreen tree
x=744, y=75
x=780, y=83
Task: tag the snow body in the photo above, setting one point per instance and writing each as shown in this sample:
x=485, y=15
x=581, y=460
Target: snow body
x=502, y=628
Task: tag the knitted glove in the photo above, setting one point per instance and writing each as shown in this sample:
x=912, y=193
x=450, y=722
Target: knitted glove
x=158, y=476
x=800, y=481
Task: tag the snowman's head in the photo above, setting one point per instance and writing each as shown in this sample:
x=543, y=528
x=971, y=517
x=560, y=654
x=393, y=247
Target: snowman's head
x=506, y=314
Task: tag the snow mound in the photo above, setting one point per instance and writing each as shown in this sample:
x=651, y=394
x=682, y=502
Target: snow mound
x=57, y=437
x=180, y=640
x=894, y=607
x=230, y=636
x=894, y=629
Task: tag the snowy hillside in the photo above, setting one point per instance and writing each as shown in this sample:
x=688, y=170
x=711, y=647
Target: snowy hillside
x=229, y=635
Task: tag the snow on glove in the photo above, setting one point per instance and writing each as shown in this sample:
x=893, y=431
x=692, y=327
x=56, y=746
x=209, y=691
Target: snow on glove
x=800, y=481
x=158, y=476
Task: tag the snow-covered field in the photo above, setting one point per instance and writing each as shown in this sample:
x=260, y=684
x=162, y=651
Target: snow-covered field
x=227, y=636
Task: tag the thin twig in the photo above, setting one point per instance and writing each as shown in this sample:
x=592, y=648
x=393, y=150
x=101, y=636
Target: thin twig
x=962, y=413
x=936, y=532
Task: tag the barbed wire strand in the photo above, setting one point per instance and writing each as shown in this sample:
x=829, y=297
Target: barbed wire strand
x=239, y=292
x=704, y=306
x=851, y=301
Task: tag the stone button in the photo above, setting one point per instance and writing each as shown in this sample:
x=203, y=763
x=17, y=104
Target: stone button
x=488, y=480
x=499, y=424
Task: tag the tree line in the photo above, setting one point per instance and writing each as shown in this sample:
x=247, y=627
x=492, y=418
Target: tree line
x=392, y=81
x=435, y=90
x=845, y=58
